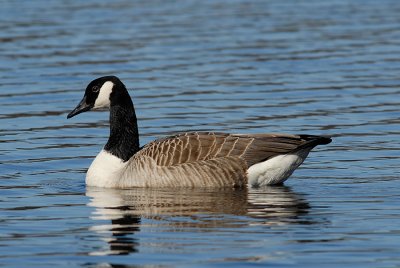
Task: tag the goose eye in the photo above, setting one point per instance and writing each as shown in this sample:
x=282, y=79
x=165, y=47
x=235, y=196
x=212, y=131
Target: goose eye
x=95, y=89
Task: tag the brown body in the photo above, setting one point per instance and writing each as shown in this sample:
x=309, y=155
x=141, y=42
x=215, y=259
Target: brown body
x=207, y=159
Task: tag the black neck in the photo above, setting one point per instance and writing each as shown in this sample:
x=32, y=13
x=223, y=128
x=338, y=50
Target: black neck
x=124, y=135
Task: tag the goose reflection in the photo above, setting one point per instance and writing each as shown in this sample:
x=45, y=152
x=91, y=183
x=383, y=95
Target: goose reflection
x=202, y=208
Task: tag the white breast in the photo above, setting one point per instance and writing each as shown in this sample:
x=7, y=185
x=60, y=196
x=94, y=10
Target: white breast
x=105, y=171
x=275, y=170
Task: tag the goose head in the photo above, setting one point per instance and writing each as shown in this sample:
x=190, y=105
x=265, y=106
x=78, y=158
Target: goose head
x=109, y=92
x=100, y=93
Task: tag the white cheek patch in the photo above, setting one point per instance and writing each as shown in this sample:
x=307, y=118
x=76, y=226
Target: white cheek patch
x=103, y=99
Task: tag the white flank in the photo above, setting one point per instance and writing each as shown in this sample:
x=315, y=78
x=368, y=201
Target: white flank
x=105, y=171
x=103, y=99
x=275, y=170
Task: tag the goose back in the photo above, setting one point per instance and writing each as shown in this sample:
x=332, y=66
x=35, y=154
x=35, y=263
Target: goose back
x=208, y=159
x=198, y=146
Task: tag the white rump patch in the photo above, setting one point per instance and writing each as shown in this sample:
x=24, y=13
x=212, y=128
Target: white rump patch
x=105, y=171
x=275, y=170
x=103, y=99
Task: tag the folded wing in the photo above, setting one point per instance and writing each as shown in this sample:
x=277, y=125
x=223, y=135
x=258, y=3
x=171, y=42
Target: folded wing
x=202, y=146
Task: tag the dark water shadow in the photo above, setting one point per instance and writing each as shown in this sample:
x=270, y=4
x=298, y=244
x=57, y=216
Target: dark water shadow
x=180, y=209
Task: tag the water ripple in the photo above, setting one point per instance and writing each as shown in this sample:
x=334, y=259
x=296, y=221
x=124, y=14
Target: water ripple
x=318, y=67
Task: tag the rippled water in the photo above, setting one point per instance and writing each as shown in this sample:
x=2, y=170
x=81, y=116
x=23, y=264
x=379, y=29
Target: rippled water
x=317, y=67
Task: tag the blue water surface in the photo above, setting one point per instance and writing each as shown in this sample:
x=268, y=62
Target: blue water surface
x=315, y=67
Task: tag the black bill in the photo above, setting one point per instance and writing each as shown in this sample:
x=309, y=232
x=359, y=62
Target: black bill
x=82, y=107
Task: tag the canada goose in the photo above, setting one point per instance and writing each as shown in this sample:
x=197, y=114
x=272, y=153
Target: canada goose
x=193, y=159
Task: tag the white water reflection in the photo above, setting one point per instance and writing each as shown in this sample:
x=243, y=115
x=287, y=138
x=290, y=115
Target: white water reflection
x=119, y=213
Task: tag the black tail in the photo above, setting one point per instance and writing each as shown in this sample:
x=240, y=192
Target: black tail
x=312, y=141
